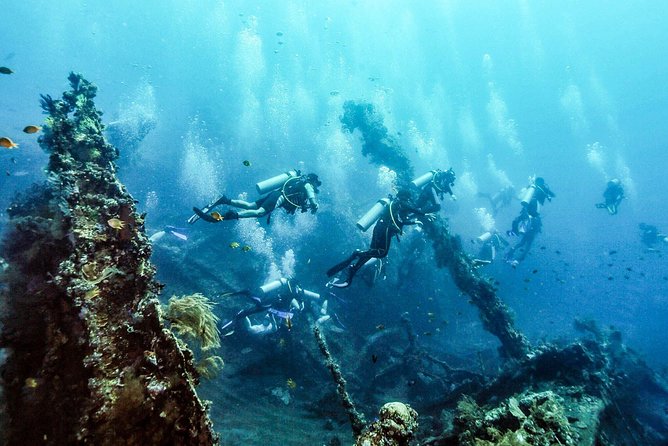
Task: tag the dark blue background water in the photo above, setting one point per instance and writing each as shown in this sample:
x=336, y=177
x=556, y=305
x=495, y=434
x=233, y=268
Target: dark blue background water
x=573, y=91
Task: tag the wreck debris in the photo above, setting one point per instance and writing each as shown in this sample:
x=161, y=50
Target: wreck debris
x=384, y=150
x=356, y=418
x=104, y=368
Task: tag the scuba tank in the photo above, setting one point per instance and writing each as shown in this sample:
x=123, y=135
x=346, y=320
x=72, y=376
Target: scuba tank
x=274, y=183
x=422, y=180
x=373, y=214
x=484, y=237
x=311, y=294
x=276, y=284
x=271, y=286
x=528, y=195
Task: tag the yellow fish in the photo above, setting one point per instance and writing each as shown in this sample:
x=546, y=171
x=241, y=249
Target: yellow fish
x=246, y=163
x=92, y=293
x=31, y=129
x=234, y=245
x=31, y=383
x=291, y=383
x=217, y=216
x=7, y=143
x=116, y=223
x=246, y=248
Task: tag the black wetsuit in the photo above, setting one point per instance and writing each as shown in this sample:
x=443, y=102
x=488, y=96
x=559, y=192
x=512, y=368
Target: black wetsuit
x=436, y=189
x=529, y=227
x=613, y=196
x=279, y=304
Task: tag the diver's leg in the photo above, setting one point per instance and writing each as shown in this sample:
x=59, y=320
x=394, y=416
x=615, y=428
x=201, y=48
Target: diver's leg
x=342, y=265
x=242, y=204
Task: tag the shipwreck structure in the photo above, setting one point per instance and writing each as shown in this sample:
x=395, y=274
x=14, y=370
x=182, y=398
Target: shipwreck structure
x=88, y=357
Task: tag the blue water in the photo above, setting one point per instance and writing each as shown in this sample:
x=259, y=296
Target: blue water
x=499, y=90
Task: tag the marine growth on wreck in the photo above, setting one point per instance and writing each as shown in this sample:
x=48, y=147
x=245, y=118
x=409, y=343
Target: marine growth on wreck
x=81, y=322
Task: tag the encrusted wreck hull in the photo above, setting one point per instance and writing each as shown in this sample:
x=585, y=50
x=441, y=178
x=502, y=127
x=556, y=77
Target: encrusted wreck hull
x=89, y=359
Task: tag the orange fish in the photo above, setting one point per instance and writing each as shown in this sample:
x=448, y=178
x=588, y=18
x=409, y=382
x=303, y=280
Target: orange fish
x=31, y=129
x=7, y=143
x=217, y=216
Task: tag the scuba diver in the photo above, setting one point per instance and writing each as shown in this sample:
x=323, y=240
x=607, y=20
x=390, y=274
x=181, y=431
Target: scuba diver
x=390, y=215
x=650, y=236
x=433, y=186
x=280, y=300
x=290, y=191
x=528, y=224
x=500, y=199
x=491, y=241
x=613, y=196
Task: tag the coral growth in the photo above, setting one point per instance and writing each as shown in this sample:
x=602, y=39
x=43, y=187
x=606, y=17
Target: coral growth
x=89, y=360
x=192, y=318
x=396, y=425
x=527, y=419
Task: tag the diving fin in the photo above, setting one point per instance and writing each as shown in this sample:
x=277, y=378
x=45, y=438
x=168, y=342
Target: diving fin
x=341, y=266
x=202, y=213
x=206, y=209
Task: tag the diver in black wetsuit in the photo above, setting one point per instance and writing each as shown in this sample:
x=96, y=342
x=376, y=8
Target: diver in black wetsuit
x=296, y=192
x=500, y=199
x=440, y=183
x=528, y=224
x=287, y=300
x=613, y=196
x=397, y=214
x=650, y=236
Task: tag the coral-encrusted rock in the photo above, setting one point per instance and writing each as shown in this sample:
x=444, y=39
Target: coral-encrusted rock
x=89, y=360
x=396, y=426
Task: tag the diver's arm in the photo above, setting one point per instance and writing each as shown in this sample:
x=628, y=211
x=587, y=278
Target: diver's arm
x=310, y=197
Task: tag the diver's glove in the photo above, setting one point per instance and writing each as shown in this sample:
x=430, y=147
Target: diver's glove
x=314, y=207
x=430, y=216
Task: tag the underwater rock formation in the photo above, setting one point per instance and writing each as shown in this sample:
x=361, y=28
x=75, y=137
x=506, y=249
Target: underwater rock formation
x=384, y=150
x=89, y=359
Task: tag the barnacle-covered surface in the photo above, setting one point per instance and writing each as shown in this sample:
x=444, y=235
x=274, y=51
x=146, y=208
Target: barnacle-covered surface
x=396, y=425
x=89, y=360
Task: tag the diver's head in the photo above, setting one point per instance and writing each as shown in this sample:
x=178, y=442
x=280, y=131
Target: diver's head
x=404, y=195
x=539, y=181
x=614, y=182
x=313, y=180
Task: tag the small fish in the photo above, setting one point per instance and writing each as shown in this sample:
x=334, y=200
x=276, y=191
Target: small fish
x=246, y=163
x=7, y=143
x=333, y=93
x=216, y=216
x=534, y=271
x=291, y=383
x=13, y=160
x=288, y=323
x=31, y=383
x=115, y=223
x=90, y=294
x=427, y=333
x=374, y=358
x=8, y=173
x=246, y=248
x=613, y=252
x=279, y=34
x=431, y=315
x=234, y=245
x=5, y=70
x=380, y=327
x=31, y=129
x=282, y=343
